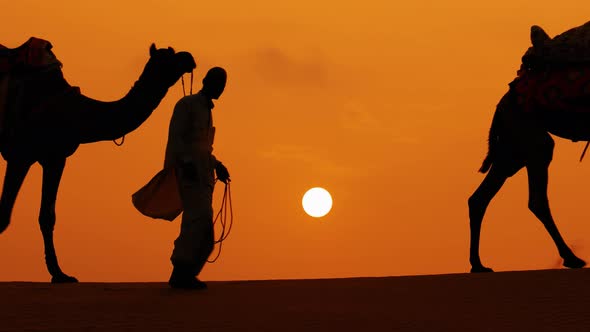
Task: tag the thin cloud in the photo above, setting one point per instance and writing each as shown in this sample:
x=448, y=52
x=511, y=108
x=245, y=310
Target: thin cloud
x=276, y=66
x=306, y=157
x=357, y=118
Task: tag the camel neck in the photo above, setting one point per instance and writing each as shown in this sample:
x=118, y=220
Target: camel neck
x=105, y=121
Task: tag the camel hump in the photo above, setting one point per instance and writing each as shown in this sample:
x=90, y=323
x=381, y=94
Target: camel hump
x=571, y=46
x=538, y=36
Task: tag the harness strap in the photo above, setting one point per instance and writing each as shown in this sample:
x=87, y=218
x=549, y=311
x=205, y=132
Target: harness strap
x=122, y=141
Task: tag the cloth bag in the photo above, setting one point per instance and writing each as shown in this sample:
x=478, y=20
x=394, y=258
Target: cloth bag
x=159, y=198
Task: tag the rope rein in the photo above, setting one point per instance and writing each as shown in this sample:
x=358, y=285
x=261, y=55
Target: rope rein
x=182, y=81
x=184, y=93
x=222, y=217
x=584, y=152
x=122, y=141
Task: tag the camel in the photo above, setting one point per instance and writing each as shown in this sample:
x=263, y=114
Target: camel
x=54, y=118
x=550, y=95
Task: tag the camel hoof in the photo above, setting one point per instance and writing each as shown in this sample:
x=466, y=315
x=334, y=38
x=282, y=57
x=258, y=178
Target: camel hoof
x=574, y=263
x=481, y=269
x=63, y=279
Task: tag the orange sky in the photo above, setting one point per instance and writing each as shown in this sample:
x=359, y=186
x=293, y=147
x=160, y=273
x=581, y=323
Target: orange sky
x=385, y=104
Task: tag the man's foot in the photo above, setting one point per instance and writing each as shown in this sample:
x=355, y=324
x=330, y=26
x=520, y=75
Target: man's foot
x=191, y=283
x=480, y=269
x=184, y=279
x=63, y=279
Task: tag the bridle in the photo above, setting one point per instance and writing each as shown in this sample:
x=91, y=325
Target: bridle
x=182, y=81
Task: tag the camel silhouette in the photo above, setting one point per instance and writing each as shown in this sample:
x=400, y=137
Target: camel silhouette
x=54, y=119
x=551, y=94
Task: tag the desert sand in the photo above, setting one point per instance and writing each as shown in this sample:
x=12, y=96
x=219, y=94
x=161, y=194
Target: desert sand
x=546, y=300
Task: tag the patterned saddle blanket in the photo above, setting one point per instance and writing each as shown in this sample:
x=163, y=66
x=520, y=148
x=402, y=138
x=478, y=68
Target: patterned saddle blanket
x=16, y=64
x=555, y=72
x=565, y=89
x=34, y=54
x=554, y=79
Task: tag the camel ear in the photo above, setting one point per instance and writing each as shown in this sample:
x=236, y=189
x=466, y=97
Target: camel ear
x=153, y=49
x=538, y=36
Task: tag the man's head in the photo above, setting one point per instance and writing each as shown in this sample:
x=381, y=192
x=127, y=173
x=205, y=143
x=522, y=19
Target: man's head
x=214, y=82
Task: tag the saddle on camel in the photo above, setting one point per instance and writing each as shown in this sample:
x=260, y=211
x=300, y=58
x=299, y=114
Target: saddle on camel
x=554, y=81
x=18, y=67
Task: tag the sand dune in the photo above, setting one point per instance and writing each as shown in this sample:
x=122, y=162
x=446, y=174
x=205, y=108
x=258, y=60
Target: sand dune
x=549, y=300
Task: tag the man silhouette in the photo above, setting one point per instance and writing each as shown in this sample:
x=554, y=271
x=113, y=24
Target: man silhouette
x=189, y=153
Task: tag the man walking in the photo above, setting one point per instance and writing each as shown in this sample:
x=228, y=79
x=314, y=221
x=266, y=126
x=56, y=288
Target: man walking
x=189, y=152
x=186, y=183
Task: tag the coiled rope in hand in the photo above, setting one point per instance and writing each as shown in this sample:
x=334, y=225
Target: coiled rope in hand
x=222, y=217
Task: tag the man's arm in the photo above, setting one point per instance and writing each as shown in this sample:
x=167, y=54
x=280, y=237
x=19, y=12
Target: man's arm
x=178, y=133
x=215, y=160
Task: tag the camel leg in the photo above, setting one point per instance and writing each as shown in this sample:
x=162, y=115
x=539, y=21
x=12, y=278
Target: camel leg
x=52, y=172
x=16, y=171
x=539, y=205
x=478, y=203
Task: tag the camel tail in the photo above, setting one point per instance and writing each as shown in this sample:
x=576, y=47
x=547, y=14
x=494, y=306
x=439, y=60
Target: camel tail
x=485, y=166
x=492, y=143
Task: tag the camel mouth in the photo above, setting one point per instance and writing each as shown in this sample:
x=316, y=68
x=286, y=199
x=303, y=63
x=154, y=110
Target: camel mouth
x=188, y=63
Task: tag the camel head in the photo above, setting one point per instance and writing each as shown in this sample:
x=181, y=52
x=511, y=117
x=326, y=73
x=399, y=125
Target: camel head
x=165, y=66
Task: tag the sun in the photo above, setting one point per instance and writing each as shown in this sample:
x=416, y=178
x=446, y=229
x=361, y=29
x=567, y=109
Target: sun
x=317, y=202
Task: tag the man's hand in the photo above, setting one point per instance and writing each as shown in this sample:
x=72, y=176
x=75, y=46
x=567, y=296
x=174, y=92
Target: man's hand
x=222, y=173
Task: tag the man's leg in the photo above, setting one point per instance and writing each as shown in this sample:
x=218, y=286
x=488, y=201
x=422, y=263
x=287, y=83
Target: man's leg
x=196, y=239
